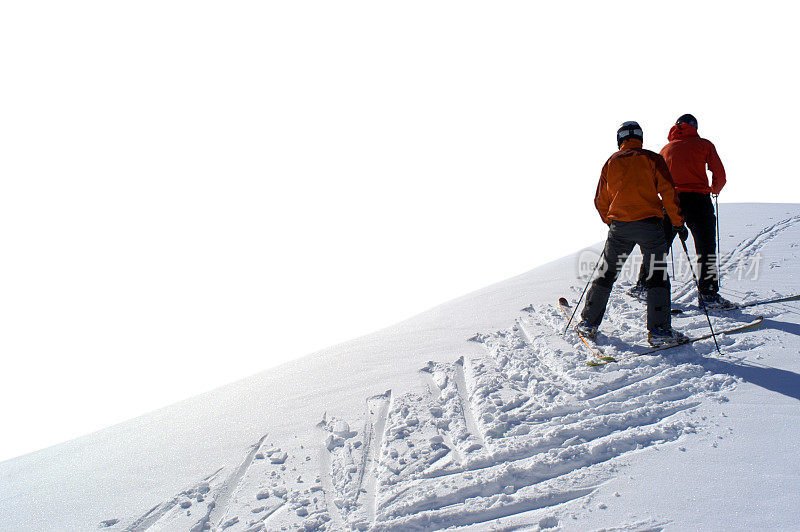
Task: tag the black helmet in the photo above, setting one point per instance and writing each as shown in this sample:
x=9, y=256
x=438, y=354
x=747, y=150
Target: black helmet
x=629, y=130
x=687, y=119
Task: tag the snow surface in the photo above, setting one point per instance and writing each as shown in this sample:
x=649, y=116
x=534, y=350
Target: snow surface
x=476, y=415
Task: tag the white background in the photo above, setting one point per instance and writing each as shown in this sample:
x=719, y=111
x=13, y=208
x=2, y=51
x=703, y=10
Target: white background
x=193, y=192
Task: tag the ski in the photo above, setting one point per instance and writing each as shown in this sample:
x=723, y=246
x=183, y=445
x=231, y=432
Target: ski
x=760, y=302
x=603, y=360
x=564, y=306
x=690, y=340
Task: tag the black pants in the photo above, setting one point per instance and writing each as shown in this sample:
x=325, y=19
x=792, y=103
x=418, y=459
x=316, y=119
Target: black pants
x=702, y=222
x=622, y=237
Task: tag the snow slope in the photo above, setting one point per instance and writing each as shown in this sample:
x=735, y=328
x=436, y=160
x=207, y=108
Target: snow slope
x=477, y=415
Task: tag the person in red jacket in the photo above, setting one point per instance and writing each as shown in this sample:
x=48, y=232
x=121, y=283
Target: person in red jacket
x=688, y=155
x=634, y=195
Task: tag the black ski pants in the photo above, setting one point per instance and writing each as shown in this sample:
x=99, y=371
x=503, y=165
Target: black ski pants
x=622, y=237
x=698, y=211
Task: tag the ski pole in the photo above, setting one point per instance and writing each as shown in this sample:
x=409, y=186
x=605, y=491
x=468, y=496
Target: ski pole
x=697, y=284
x=672, y=258
x=716, y=211
x=584, y=289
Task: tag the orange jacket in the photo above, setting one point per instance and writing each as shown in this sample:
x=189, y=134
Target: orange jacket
x=687, y=155
x=630, y=184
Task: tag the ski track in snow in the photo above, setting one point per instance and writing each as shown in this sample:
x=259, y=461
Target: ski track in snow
x=378, y=409
x=466, y=404
x=746, y=250
x=452, y=454
x=217, y=511
x=157, y=513
x=337, y=521
x=525, y=429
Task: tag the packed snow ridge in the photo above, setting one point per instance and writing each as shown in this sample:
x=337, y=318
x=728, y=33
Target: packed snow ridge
x=523, y=429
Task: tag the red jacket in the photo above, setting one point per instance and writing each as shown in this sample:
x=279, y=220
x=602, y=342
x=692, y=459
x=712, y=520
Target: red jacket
x=687, y=155
x=635, y=184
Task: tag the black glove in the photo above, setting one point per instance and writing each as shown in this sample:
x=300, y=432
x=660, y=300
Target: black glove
x=682, y=232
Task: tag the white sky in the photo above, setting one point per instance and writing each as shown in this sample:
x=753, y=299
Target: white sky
x=192, y=192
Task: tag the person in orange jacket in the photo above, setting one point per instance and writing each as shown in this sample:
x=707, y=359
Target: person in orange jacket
x=687, y=155
x=633, y=195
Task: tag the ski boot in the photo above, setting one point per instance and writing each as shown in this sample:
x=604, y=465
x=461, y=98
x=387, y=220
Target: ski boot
x=715, y=301
x=662, y=336
x=638, y=291
x=586, y=329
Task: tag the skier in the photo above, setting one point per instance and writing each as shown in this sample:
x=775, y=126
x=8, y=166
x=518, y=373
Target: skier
x=628, y=201
x=687, y=155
